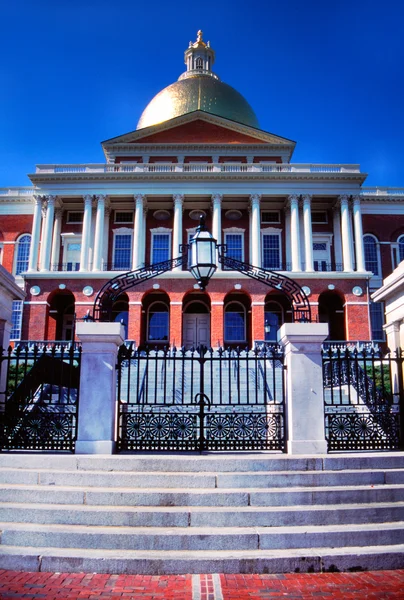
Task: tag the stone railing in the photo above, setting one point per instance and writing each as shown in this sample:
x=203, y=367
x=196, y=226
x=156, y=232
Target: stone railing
x=198, y=168
x=382, y=191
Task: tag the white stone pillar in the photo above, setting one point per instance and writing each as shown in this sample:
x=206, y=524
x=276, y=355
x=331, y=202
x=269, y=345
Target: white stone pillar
x=304, y=386
x=308, y=233
x=99, y=233
x=359, y=246
x=35, y=235
x=177, y=229
x=43, y=227
x=85, y=240
x=57, y=228
x=337, y=238
x=255, y=232
x=106, y=235
x=295, y=232
x=138, y=236
x=288, y=242
x=47, y=233
x=97, y=409
x=346, y=233
x=217, y=221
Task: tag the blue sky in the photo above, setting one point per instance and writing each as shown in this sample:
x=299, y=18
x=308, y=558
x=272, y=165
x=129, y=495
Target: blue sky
x=329, y=75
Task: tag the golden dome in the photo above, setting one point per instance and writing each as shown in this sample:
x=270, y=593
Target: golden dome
x=198, y=89
x=198, y=93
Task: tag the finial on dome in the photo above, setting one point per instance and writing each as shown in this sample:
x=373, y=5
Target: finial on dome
x=199, y=58
x=199, y=34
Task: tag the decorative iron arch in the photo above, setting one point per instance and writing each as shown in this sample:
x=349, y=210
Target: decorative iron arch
x=275, y=280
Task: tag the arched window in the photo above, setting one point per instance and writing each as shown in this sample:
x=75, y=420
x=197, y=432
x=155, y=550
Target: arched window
x=273, y=320
x=158, y=322
x=23, y=246
x=400, y=248
x=199, y=64
x=235, y=322
x=372, y=261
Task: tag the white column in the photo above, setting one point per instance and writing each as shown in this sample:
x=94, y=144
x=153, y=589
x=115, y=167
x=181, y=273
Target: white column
x=85, y=240
x=304, y=386
x=47, y=233
x=288, y=243
x=97, y=413
x=308, y=233
x=143, y=246
x=99, y=233
x=177, y=229
x=36, y=232
x=217, y=221
x=337, y=237
x=138, y=236
x=106, y=234
x=295, y=233
x=255, y=232
x=346, y=232
x=43, y=227
x=359, y=247
x=57, y=228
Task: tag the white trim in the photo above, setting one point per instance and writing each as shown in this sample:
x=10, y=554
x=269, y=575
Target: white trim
x=15, y=255
x=376, y=276
x=322, y=238
x=257, y=303
x=76, y=238
x=161, y=231
x=122, y=231
x=364, y=303
x=36, y=302
x=217, y=303
x=175, y=303
x=236, y=231
x=271, y=231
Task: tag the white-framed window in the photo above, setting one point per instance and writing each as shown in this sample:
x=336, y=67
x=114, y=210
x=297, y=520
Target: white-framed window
x=271, y=249
x=234, y=240
x=377, y=321
x=75, y=216
x=1, y=252
x=372, y=254
x=122, y=249
x=71, y=251
x=319, y=217
x=399, y=250
x=22, y=253
x=161, y=245
x=16, y=320
x=123, y=216
x=270, y=216
x=158, y=322
x=234, y=322
x=190, y=234
x=322, y=252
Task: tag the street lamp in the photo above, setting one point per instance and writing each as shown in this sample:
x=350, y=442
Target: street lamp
x=203, y=248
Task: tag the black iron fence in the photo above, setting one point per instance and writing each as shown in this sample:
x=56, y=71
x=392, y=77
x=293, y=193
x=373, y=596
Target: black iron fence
x=39, y=395
x=363, y=397
x=201, y=399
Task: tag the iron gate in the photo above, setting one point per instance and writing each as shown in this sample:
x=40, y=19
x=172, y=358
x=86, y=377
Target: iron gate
x=179, y=400
x=363, y=397
x=39, y=394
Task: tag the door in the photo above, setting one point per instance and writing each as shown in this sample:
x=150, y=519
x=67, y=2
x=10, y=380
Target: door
x=196, y=330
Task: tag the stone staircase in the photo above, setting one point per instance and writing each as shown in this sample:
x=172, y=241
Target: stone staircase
x=182, y=513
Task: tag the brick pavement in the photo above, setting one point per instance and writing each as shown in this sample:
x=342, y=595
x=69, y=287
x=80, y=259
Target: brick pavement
x=381, y=585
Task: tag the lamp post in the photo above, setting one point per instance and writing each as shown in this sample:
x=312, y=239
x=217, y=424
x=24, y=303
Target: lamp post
x=203, y=255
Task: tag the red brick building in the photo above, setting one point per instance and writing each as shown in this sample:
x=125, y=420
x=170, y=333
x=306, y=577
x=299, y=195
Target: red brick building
x=198, y=149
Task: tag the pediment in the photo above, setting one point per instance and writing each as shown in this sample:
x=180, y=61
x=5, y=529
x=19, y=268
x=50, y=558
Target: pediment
x=199, y=128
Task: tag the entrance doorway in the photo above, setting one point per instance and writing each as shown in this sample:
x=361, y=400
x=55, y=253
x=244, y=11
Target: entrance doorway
x=331, y=311
x=196, y=325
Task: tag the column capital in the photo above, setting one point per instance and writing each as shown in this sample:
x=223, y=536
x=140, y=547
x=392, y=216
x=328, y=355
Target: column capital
x=356, y=200
x=38, y=199
x=88, y=200
x=50, y=199
x=307, y=198
x=343, y=199
x=293, y=199
x=139, y=199
x=178, y=199
x=100, y=198
x=217, y=198
x=255, y=198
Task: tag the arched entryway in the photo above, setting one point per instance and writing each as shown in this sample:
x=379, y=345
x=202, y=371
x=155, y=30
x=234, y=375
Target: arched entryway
x=237, y=320
x=331, y=311
x=156, y=319
x=278, y=310
x=61, y=315
x=196, y=320
x=120, y=312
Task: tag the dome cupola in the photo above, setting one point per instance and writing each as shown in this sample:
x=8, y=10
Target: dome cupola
x=198, y=89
